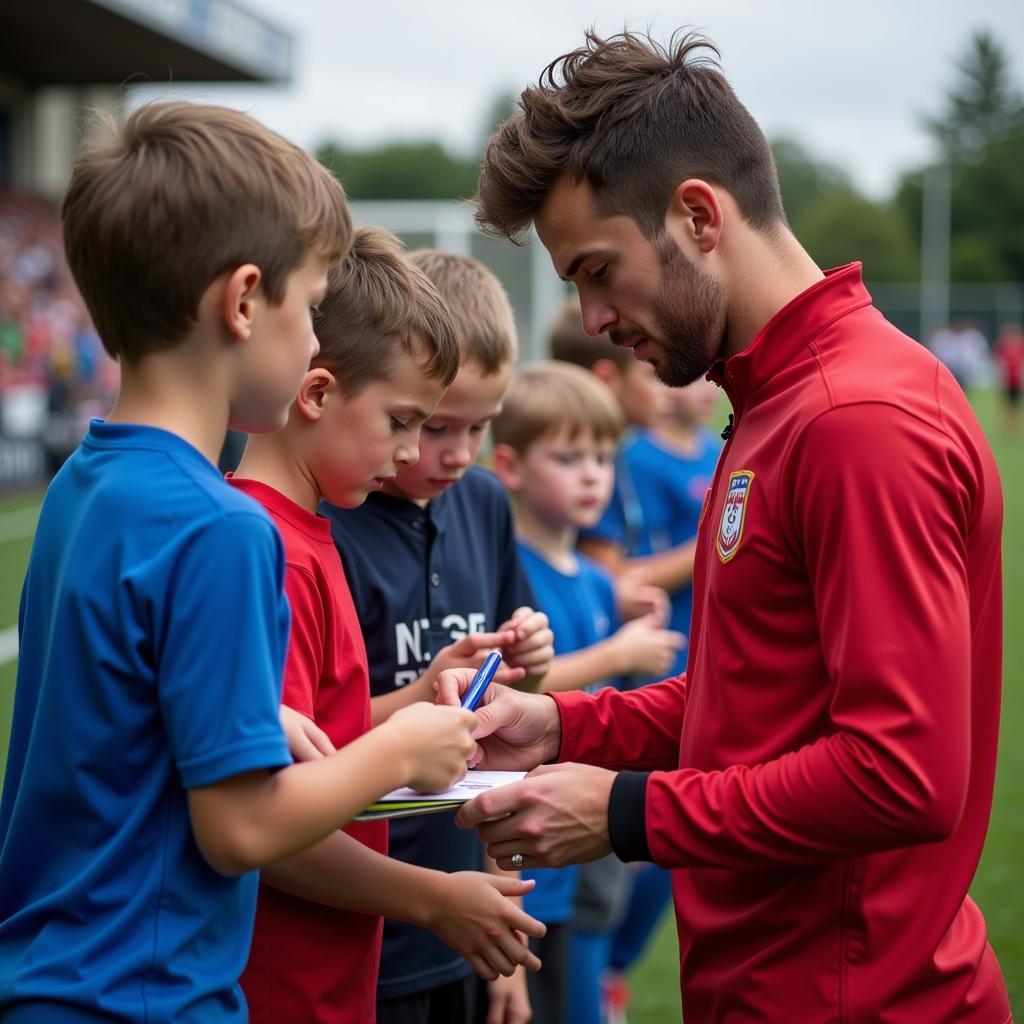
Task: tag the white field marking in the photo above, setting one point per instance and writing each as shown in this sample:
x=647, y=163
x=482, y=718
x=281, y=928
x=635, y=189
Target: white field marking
x=19, y=524
x=8, y=644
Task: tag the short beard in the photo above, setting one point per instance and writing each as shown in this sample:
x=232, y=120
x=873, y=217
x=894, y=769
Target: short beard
x=690, y=313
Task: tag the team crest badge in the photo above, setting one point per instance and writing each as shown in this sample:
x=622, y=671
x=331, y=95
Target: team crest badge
x=730, y=530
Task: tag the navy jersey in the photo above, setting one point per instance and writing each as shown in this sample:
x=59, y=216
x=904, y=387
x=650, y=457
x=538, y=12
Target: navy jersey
x=153, y=632
x=422, y=578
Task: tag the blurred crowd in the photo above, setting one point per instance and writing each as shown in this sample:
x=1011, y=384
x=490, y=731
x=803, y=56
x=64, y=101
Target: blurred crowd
x=54, y=372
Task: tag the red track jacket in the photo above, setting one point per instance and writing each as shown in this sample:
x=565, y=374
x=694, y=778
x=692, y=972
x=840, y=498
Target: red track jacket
x=823, y=772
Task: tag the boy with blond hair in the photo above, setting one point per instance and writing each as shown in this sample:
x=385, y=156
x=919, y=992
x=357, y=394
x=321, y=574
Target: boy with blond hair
x=148, y=774
x=555, y=443
x=387, y=353
x=436, y=581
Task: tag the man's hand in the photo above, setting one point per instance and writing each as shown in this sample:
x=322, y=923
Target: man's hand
x=557, y=815
x=306, y=740
x=534, y=647
x=515, y=731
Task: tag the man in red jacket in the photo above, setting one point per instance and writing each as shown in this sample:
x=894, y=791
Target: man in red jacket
x=821, y=777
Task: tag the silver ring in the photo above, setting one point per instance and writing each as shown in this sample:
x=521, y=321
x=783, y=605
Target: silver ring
x=517, y=860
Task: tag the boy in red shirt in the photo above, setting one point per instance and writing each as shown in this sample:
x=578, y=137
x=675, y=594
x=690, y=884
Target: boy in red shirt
x=387, y=353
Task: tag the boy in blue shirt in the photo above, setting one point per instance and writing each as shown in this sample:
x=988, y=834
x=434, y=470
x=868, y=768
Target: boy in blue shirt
x=431, y=561
x=554, y=450
x=148, y=774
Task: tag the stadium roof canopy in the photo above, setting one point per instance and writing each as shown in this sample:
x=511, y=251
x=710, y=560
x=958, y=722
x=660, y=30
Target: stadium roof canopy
x=114, y=42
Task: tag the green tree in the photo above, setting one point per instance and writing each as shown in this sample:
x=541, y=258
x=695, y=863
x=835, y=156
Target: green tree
x=845, y=226
x=401, y=170
x=981, y=133
x=805, y=180
x=982, y=105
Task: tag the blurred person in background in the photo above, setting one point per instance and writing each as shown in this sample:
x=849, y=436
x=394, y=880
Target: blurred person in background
x=1009, y=355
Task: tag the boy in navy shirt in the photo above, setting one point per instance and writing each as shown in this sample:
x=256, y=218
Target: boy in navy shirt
x=555, y=444
x=387, y=352
x=142, y=786
x=431, y=560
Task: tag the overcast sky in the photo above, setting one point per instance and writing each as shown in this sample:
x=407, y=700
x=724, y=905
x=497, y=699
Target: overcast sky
x=849, y=80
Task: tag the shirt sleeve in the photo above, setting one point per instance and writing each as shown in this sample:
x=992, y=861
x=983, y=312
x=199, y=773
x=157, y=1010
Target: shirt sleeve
x=879, y=506
x=220, y=647
x=305, y=659
x=638, y=729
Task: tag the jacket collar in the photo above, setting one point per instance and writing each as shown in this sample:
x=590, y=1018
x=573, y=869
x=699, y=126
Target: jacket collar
x=789, y=332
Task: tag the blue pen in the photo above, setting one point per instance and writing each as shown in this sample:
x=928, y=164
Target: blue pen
x=481, y=681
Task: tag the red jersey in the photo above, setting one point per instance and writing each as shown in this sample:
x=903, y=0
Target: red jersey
x=823, y=772
x=312, y=964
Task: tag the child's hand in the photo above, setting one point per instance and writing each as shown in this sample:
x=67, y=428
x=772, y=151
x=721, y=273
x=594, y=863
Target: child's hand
x=470, y=652
x=644, y=648
x=475, y=918
x=534, y=648
x=508, y=1001
x=636, y=597
x=437, y=742
x=306, y=740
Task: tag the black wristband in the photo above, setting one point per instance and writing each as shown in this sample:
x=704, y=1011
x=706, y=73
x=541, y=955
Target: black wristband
x=627, y=816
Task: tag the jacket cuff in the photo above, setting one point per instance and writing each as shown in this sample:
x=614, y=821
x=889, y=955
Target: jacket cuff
x=627, y=816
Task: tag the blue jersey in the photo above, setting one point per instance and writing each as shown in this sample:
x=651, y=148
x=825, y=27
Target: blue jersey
x=656, y=506
x=153, y=630
x=581, y=609
x=422, y=578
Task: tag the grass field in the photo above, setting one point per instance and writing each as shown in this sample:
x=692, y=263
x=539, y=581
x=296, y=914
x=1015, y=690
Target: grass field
x=1000, y=877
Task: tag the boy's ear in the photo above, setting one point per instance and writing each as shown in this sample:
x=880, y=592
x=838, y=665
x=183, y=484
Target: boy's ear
x=507, y=466
x=315, y=391
x=239, y=300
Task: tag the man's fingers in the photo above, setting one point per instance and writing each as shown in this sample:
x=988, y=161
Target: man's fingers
x=496, y=804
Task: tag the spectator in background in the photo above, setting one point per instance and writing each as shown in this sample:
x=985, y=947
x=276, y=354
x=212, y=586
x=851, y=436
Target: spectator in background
x=963, y=349
x=47, y=342
x=1009, y=353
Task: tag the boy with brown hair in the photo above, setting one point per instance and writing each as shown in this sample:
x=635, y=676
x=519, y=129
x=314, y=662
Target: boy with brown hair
x=148, y=774
x=436, y=581
x=387, y=353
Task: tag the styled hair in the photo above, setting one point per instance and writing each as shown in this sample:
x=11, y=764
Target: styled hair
x=479, y=305
x=548, y=396
x=632, y=118
x=379, y=303
x=570, y=343
x=163, y=203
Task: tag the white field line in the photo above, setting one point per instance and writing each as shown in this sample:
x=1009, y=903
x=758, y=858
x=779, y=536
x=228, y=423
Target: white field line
x=8, y=644
x=17, y=525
